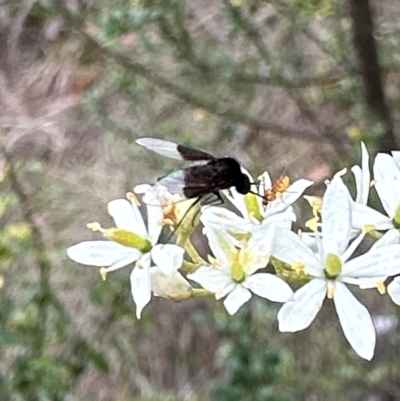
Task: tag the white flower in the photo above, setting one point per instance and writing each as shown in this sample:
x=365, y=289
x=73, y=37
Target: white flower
x=253, y=211
x=132, y=242
x=234, y=272
x=330, y=269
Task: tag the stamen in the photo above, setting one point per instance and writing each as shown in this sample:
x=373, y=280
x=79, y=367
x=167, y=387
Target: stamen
x=94, y=226
x=103, y=273
x=212, y=260
x=368, y=228
x=132, y=198
x=380, y=286
x=330, y=291
x=313, y=224
x=298, y=267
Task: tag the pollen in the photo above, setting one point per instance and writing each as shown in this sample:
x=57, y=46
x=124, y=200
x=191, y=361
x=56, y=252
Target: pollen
x=380, y=286
x=132, y=198
x=298, y=267
x=330, y=291
x=313, y=224
x=103, y=273
x=368, y=228
x=94, y=226
x=170, y=217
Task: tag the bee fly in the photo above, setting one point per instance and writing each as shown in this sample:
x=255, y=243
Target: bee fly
x=200, y=180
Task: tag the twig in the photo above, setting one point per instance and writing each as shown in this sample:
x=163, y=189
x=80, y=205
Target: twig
x=233, y=115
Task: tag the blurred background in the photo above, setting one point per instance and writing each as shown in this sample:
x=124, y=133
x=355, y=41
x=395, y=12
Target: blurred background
x=282, y=85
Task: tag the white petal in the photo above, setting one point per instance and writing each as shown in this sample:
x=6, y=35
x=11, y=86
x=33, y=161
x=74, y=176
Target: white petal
x=357, y=172
x=211, y=279
x=141, y=287
x=396, y=156
x=336, y=218
x=366, y=175
x=127, y=216
x=291, y=195
x=389, y=238
x=377, y=262
x=289, y=248
x=173, y=286
x=167, y=257
x=255, y=254
x=362, y=176
x=154, y=219
x=219, y=217
x=222, y=246
x=298, y=314
x=393, y=290
x=356, y=322
x=237, y=298
x=387, y=182
x=101, y=253
x=142, y=188
x=363, y=215
x=269, y=286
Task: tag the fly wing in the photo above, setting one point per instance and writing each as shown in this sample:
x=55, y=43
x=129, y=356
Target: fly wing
x=173, y=150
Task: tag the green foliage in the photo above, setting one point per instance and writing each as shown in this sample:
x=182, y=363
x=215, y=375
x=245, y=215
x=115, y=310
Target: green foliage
x=250, y=361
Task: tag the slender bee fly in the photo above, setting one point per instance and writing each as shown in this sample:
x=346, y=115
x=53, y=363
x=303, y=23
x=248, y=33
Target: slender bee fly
x=200, y=180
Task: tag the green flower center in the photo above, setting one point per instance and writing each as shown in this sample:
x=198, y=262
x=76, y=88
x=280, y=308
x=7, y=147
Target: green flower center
x=237, y=272
x=333, y=266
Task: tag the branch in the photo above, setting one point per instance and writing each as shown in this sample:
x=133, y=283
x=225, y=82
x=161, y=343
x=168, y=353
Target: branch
x=232, y=115
x=367, y=54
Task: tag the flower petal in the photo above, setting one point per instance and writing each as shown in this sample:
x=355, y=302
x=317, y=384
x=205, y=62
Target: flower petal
x=255, y=254
x=101, y=253
x=173, y=286
x=154, y=219
x=236, y=298
x=363, y=215
x=377, y=262
x=289, y=248
x=389, y=238
x=221, y=218
x=362, y=176
x=168, y=258
x=140, y=284
x=222, y=247
x=290, y=196
x=356, y=321
x=336, y=218
x=393, y=290
x=212, y=279
x=298, y=314
x=269, y=286
x=127, y=216
x=387, y=182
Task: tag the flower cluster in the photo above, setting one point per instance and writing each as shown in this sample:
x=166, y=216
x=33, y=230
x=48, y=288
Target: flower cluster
x=255, y=251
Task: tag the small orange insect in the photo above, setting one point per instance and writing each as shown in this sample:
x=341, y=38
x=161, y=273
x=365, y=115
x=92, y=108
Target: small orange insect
x=277, y=189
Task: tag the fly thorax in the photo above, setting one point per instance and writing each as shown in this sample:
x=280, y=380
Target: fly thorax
x=333, y=266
